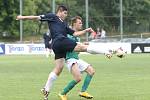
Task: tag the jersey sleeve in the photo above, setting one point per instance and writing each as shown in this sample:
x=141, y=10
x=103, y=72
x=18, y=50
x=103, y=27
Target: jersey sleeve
x=47, y=17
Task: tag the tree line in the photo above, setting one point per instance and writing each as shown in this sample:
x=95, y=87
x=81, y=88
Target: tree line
x=102, y=13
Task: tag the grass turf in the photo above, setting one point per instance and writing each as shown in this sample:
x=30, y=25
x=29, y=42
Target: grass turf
x=22, y=77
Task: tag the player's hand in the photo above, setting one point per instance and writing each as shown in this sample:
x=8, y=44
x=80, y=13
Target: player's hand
x=18, y=17
x=89, y=30
x=93, y=33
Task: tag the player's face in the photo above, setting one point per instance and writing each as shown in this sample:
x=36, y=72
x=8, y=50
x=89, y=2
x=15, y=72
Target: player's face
x=78, y=24
x=64, y=15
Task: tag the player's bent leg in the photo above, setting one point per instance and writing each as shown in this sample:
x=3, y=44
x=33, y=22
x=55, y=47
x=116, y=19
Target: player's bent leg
x=95, y=49
x=59, y=64
x=91, y=48
x=45, y=91
x=90, y=72
x=77, y=76
x=52, y=77
x=76, y=72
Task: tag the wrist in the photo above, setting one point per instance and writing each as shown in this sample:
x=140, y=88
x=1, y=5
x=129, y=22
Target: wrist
x=86, y=30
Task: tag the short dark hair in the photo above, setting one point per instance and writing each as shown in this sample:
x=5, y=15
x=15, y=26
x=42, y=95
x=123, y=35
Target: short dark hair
x=74, y=19
x=62, y=8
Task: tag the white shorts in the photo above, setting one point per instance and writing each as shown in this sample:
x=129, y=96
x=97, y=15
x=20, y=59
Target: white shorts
x=81, y=64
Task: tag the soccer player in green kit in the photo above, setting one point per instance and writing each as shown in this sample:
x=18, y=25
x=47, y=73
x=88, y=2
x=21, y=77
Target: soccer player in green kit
x=76, y=66
x=61, y=44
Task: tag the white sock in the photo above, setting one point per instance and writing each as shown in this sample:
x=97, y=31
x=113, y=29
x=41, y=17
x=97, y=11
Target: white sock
x=51, y=78
x=95, y=49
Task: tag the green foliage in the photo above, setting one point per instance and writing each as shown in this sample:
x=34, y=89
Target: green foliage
x=102, y=13
x=8, y=12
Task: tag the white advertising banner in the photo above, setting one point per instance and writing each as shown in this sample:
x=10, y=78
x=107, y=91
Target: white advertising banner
x=24, y=49
x=40, y=48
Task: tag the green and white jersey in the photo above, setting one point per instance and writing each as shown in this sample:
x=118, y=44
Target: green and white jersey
x=72, y=54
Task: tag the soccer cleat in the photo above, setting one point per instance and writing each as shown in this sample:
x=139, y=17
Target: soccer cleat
x=120, y=52
x=85, y=95
x=63, y=97
x=45, y=93
x=109, y=54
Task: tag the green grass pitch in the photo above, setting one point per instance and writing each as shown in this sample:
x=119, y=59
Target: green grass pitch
x=22, y=77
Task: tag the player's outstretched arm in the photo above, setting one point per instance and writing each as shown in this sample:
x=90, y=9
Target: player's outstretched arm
x=27, y=17
x=78, y=33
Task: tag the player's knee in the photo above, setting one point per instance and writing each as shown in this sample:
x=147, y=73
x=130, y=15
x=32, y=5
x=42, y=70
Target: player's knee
x=91, y=70
x=78, y=79
x=58, y=70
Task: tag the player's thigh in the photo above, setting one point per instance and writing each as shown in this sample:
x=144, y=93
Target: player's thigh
x=59, y=64
x=68, y=44
x=82, y=65
x=86, y=67
x=76, y=72
x=64, y=44
x=59, y=55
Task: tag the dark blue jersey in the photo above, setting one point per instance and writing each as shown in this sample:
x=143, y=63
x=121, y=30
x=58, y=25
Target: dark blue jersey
x=58, y=28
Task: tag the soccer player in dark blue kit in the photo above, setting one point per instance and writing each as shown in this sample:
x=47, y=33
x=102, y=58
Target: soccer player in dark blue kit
x=47, y=43
x=62, y=44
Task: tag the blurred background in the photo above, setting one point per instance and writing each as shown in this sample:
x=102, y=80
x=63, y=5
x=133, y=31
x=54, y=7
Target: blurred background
x=121, y=20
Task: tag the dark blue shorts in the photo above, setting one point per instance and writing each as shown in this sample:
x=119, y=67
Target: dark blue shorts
x=63, y=45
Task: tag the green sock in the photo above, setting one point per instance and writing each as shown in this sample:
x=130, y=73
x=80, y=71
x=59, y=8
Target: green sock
x=69, y=87
x=86, y=83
